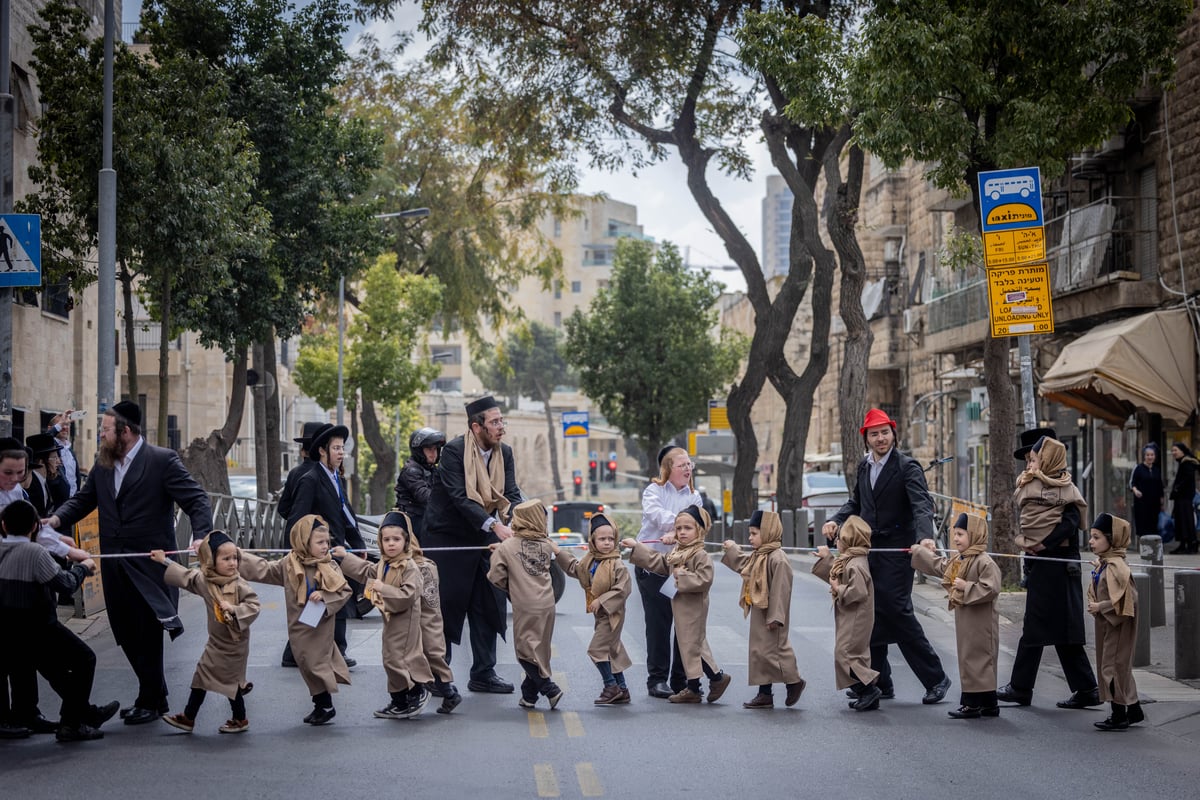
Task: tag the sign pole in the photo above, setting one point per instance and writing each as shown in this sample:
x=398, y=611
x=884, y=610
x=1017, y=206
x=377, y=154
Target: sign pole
x=1027, y=383
x=6, y=205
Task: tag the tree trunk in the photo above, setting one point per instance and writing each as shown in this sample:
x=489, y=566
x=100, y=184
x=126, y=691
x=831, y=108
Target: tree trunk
x=205, y=458
x=383, y=479
x=355, y=481
x=164, y=361
x=1002, y=434
x=841, y=217
x=551, y=441
x=131, y=367
x=271, y=391
x=260, y=424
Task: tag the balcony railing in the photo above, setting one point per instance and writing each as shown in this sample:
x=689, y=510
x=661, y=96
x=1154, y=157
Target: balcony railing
x=959, y=307
x=1108, y=236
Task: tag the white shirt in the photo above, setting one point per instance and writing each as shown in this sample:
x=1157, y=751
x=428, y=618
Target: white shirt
x=121, y=465
x=660, y=506
x=877, y=466
x=47, y=537
x=337, y=489
x=69, y=462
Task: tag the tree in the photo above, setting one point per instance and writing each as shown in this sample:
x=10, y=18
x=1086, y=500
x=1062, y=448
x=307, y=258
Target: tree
x=628, y=82
x=974, y=86
x=529, y=362
x=645, y=350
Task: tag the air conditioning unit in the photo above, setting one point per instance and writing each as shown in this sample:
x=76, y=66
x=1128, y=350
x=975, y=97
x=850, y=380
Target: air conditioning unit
x=913, y=320
x=891, y=250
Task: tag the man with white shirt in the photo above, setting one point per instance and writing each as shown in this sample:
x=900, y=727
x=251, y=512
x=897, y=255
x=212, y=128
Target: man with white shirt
x=890, y=493
x=135, y=487
x=470, y=507
x=60, y=429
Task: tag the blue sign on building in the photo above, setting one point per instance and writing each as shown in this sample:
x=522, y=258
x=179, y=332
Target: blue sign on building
x=1010, y=199
x=575, y=424
x=20, y=250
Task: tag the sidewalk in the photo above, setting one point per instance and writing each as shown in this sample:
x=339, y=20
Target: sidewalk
x=1173, y=706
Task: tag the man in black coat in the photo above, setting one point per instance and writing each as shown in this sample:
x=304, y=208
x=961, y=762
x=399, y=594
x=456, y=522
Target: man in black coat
x=284, y=505
x=890, y=493
x=470, y=507
x=136, y=486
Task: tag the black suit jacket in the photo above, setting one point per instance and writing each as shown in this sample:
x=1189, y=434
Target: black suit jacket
x=315, y=494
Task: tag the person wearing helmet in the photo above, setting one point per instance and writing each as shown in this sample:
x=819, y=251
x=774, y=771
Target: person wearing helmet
x=418, y=474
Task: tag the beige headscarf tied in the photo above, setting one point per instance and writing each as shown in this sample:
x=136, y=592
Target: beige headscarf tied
x=755, y=591
x=329, y=577
x=220, y=587
x=977, y=540
x=391, y=570
x=854, y=540
x=529, y=520
x=607, y=564
x=485, y=478
x=1116, y=571
x=682, y=553
x=1053, y=465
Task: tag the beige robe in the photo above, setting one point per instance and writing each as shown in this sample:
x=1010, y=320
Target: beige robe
x=772, y=659
x=854, y=617
x=1116, y=636
x=433, y=637
x=222, y=666
x=320, y=663
x=610, y=616
x=403, y=657
x=689, y=606
x=521, y=567
x=976, y=618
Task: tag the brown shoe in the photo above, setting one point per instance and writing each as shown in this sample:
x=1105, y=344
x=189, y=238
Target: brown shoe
x=760, y=701
x=623, y=698
x=609, y=696
x=685, y=695
x=717, y=688
x=794, y=690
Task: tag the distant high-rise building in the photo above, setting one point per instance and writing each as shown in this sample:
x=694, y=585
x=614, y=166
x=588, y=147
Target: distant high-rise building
x=776, y=226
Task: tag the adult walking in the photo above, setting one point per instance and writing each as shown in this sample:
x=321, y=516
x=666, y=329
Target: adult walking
x=470, y=507
x=1050, y=510
x=667, y=495
x=135, y=487
x=1146, y=483
x=1183, y=496
x=890, y=493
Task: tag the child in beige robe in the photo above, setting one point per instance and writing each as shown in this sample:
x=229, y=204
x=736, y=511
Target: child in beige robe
x=309, y=575
x=692, y=570
x=394, y=586
x=521, y=567
x=972, y=582
x=606, y=586
x=766, y=598
x=1112, y=600
x=849, y=578
x=231, y=607
x=433, y=635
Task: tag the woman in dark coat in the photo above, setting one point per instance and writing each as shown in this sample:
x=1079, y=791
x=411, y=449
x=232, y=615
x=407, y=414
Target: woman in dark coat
x=1147, y=486
x=1183, y=493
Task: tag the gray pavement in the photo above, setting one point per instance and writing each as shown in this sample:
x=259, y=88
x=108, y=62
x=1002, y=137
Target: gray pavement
x=491, y=747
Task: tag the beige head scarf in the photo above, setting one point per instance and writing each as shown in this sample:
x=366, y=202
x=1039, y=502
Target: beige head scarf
x=1052, y=470
x=328, y=577
x=529, y=520
x=977, y=540
x=220, y=587
x=606, y=565
x=1115, y=571
x=854, y=540
x=683, y=552
x=755, y=591
x=485, y=477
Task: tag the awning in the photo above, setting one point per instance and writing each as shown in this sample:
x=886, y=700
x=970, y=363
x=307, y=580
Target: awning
x=1146, y=362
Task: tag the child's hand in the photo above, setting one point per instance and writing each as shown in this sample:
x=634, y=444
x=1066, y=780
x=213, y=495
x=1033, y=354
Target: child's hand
x=960, y=584
x=227, y=606
x=159, y=556
x=774, y=625
x=822, y=551
x=834, y=584
x=89, y=565
x=1093, y=608
x=628, y=543
x=376, y=585
x=593, y=606
x=492, y=547
x=679, y=570
x=728, y=543
x=668, y=538
x=315, y=596
x=929, y=545
x=338, y=552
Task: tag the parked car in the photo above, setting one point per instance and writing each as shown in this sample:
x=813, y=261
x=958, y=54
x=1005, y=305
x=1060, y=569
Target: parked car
x=823, y=490
x=574, y=516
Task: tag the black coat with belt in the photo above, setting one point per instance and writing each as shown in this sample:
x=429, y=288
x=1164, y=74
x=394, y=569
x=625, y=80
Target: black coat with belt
x=454, y=520
x=315, y=494
x=899, y=510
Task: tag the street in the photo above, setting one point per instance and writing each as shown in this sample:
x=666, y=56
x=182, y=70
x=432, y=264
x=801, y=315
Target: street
x=490, y=747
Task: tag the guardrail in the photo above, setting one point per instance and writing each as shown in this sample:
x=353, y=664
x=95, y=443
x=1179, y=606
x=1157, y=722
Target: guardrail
x=250, y=523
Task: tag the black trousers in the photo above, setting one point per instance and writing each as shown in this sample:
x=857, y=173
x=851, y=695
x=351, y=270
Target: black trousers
x=23, y=704
x=1074, y=660
x=143, y=648
x=663, y=662
x=67, y=664
x=482, y=633
x=919, y=655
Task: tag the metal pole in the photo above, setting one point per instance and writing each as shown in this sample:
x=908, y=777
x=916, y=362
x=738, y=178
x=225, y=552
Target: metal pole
x=1141, y=643
x=106, y=350
x=1154, y=601
x=1027, y=383
x=341, y=400
x=6, y=205
x=1187, y=625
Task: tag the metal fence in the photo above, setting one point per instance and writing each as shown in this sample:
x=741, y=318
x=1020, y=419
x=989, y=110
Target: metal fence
x=250, y=523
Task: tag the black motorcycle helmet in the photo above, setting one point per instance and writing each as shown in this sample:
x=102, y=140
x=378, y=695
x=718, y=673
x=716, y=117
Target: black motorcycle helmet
x=425, y=437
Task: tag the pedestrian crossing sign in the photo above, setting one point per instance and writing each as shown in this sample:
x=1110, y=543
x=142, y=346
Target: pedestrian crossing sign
x=20, y=250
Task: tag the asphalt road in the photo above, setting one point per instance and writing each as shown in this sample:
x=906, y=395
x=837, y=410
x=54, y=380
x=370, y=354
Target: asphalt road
x=490, y=747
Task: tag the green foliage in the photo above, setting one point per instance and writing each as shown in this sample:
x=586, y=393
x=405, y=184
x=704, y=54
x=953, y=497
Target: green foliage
x=528, y=362
x=645, y=350
x=961, y=250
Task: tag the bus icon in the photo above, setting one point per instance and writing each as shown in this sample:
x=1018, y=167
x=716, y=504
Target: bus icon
x=1022, y=185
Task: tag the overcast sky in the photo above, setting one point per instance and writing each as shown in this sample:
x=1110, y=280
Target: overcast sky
x=666, y=209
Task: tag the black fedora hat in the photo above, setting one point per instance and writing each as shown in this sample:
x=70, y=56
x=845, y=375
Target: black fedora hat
x=1027, y=439
x=41, y=444
x=322, y=437
x=307, y=432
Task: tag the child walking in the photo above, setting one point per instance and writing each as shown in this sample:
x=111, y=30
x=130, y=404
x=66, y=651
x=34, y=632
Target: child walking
x=766, y=598
x=309, y=576
x=1112, y=600
x=692, y=569
x=433, y=636
x=972, y=582
x=606, y=585
x=849, y=578
x=521, y=567
x=231, y=607
x=394, y=586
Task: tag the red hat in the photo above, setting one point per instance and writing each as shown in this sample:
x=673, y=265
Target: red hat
x=874, y=418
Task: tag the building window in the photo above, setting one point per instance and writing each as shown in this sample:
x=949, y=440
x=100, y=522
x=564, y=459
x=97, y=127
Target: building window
x=18, y=424
x=445, y=353
x=446, y=385
x=173, y=432
x=57, y=300
x=557, y=227
x=602, y=284
x=576, y=287
x=558, y=319
x=558, y=290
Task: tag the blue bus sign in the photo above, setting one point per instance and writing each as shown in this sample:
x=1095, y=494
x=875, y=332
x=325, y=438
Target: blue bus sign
x=575, y=425
x=1010, y=199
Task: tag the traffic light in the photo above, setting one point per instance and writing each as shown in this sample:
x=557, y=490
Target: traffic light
x=592, y=477
x=612, y=471
x=578, y=477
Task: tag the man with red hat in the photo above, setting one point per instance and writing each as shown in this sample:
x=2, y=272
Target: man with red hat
x=890, y=493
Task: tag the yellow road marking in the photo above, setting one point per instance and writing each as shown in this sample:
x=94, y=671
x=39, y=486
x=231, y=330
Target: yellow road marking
x=574, y=724
x=547, y=783
x=537, y=725
x=553, y=650
x=589, y=782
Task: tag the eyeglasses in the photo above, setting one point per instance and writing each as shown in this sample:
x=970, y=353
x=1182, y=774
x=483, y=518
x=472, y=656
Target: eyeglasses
x=685, y=465
x=498, y=422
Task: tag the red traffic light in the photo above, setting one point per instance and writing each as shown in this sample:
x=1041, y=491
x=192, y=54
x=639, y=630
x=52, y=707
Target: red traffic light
x=592, y=464
x=612, y=466
x=578, y=480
